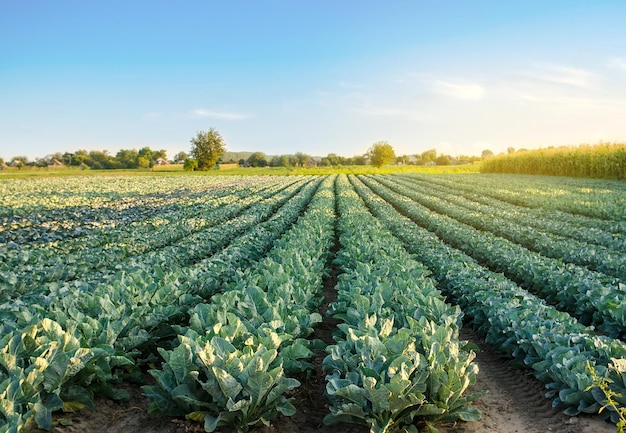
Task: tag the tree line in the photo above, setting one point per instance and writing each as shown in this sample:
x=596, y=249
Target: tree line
x=96, y=159
x=208, y=149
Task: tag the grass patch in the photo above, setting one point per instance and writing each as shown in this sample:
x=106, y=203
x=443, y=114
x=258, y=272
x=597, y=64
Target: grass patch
x=235, y=170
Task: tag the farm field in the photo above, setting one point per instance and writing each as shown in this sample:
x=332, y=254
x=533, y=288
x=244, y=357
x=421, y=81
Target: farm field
x=381, y=302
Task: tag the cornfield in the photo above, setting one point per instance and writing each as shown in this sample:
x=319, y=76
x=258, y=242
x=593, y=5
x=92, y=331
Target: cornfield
x=604, y=160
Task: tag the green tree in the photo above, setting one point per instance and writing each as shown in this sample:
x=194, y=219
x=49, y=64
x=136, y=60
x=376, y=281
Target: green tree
x=428, y=156
x=381, y=153
x=206, y=148
x=190, y=164
x=487, y=153
x=359, y=160
x=180, y=156
x=257, y=159
x=302, y=159
x=443, y=160
x=128, y=158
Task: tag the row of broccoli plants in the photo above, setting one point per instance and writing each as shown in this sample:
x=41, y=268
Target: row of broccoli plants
x=564, y=354
x=601, y=259
x=594, y=298
x=106, y=250
x=586, y=200
x=39, y=196
x=83, y=208
x=59, y=353
x=523, y=216
x=398, y=359
x=183, y=253
x=234, y=364
x=164, y=225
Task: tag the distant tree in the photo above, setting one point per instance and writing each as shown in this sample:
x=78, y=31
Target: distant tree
x=23, y=159
x=181, y=156
x=302, y=159
x=359, y=160
x=1, y=161
x=428, y=156
x=81, y=157
x=68, y=158
x=510, y=150
x=190, y=164
x=257, y=159
x=158, y=154
x=144, y=162
x=145, y=158
x=128, y=158
x=293, y=161
x=487, y=153
x=381, y=153
x=206, y=148
x=404, y=159
x=280, y=161
x=443, y=160
x=242, y=162
x=100, y=159
x=333, y=159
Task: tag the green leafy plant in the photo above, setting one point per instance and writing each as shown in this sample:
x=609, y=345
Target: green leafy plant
x=602, y=384
x=220, y=385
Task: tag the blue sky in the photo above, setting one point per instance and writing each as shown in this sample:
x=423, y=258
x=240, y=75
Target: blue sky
x=311, y=76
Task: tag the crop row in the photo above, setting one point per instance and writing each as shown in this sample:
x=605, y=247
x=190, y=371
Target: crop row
x=523, y=217
x=119, y=248
x=163, y=224
x=82, y=208
x=398, y=355
x=180, y=255
x=562, y=352
x=610, y=262
x=586, y=200
x=232, y=364
x=25, y=200
x=593, y=297
x=57, y=352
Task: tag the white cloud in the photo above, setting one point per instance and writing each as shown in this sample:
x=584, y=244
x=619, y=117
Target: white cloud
x=470, y=91
x=219, y=115
x=571, y=101
x=564, y=75
x=617, y=63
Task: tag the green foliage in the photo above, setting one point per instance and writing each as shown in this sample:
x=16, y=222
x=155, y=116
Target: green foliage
x=207, y=148
x=231, y=365
x=398, y=356
x=610, y=401
x=44, y=369
x=521, y=325
x=208, y=379
x=190, y=164
x=257, y=159
x=381, y=153
x=604, y=160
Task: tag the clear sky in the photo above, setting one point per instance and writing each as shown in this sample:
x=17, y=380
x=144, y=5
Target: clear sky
x=283, y=76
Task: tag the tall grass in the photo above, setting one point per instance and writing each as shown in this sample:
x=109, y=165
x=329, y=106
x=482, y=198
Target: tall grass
x=604, y=160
